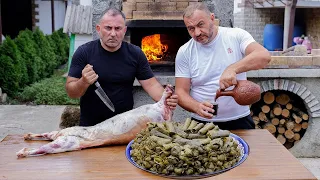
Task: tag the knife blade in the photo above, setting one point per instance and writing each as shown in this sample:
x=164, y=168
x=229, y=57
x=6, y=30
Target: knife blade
x=103, y=96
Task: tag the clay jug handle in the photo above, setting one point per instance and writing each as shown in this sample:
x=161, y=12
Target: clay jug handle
x=222, y=92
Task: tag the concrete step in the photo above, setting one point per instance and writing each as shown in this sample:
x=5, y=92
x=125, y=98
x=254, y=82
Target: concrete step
x=312, y=164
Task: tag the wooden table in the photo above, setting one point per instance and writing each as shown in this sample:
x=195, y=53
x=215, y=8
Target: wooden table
x=268, y=159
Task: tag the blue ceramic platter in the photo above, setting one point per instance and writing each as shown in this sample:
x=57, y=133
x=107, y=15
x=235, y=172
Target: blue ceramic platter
x=244, y=154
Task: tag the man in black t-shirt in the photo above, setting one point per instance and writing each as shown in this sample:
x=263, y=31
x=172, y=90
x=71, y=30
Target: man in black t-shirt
x=115, y=64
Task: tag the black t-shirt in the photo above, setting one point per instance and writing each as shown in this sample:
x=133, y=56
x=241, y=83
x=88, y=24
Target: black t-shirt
x=117, y=72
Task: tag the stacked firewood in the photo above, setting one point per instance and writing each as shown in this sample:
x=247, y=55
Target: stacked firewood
x=282, y=116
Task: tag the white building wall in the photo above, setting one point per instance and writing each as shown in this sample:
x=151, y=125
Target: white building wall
x=83, y=38
x=86, y=2
x=44, y=16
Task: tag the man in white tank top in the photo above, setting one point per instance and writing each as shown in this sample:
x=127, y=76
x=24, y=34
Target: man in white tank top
x=215, y=58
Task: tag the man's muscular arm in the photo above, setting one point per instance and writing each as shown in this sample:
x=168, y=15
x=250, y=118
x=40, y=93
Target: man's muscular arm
x=76, y=87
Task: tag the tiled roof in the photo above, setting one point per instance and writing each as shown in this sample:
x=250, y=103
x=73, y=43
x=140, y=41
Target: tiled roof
x=78, y=19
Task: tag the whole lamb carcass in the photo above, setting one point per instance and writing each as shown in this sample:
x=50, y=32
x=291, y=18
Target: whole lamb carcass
x=119, y=129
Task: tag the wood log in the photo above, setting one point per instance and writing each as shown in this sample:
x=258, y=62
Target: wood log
x=257, y=126
x=255, y=118
x=296, y=142
x=285, y=113
x=304, y=125
x=282, y=121
x=289, y=134
x=265, y=109
x=290, y=125
x=281, y=139
x=271, y=114
x=268, y=97
x=296, y=118
x=303, y=115
x=296, y=136
x=275, y=121
x=263, y=117
x=289, y=106
x=288, y=145
x=291, y=140
x=270, y=127
x=283, y=99
x=297, y=127
x=277, y=110
x=281, y=130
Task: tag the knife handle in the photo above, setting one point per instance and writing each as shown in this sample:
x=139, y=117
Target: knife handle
x=97, y=84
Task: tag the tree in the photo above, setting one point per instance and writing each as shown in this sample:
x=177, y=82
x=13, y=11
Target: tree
x=12, y=69
x=27, y=47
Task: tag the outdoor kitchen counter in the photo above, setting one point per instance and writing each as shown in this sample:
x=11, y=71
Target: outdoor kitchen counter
x=168, y=77
x=268, y=159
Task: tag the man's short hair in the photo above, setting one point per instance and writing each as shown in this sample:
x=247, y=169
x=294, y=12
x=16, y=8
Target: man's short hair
x=112, y=11
x=196, y=6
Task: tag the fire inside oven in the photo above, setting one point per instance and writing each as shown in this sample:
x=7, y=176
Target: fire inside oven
x=153, y=48
x=160, y=40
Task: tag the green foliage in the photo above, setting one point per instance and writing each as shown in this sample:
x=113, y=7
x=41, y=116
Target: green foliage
x=27, y=47
x=46, y=52
x=30, y=57
x=66, y=42
x=57, y=43
x=50, y=91
x=12, y=69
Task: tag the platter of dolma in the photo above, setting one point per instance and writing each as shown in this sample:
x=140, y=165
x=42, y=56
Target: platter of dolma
x=210, y=163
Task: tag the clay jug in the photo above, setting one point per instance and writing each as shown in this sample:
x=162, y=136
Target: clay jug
x=244, y=93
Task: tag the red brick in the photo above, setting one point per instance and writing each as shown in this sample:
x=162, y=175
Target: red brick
x=278, y=60
x=182, y=5
x=316, y=60
x=300, y=61
x=142, y=6
x=176, y=15
x=128, y=6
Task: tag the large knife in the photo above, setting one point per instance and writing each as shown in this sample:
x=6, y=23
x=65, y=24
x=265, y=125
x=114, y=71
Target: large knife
x=103, y=96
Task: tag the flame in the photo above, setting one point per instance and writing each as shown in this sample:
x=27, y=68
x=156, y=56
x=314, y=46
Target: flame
x=152, y=47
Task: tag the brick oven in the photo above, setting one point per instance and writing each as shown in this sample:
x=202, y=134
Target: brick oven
x=159, y=40
x=157, y=27
x=289, y=107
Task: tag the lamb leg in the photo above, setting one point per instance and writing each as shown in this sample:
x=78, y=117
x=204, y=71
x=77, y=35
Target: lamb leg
x=44, y=136
x=61, y=144
x=72, y=131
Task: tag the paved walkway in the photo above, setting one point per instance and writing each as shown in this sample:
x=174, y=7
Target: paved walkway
x=20, y=119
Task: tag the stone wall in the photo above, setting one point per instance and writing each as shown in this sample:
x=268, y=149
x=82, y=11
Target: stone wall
x=223, y=10
x=98, y=7
x=254, y=20
x=312, y=20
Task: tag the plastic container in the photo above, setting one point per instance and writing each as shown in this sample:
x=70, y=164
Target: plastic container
x=273, y=37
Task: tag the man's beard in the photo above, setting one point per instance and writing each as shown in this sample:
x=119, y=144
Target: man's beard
x=210, y=34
